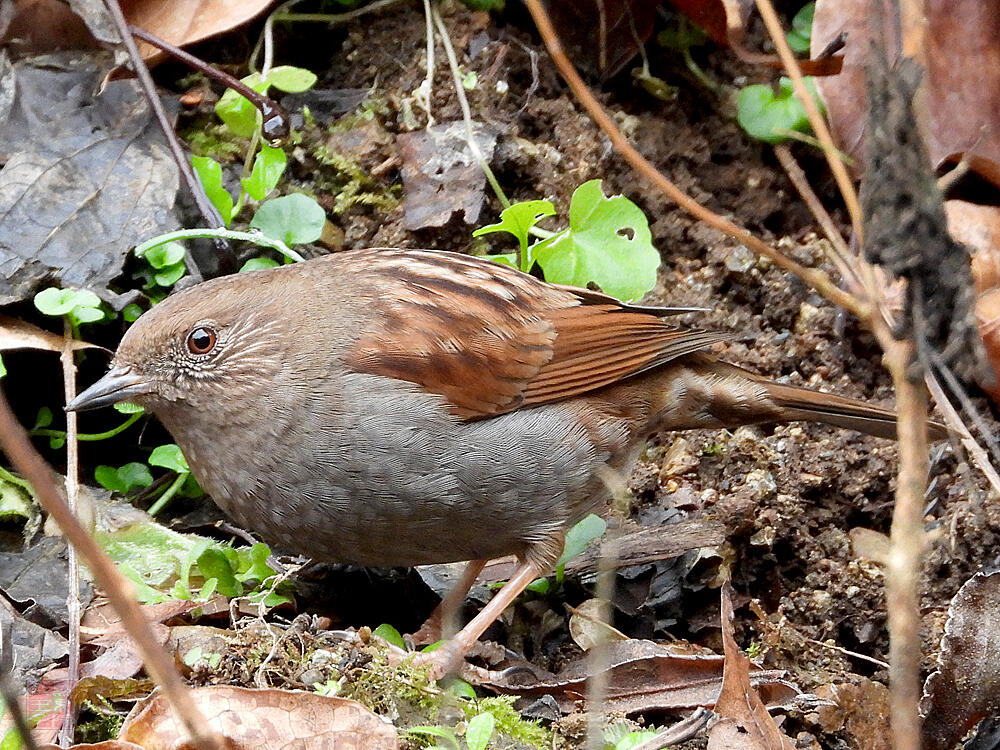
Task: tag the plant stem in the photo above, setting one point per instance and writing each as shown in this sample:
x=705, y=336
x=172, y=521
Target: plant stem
x=228, y=234
x=90, y=436
x=168, y=494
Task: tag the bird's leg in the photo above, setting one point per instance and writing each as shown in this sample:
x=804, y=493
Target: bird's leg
x=441, y=623
x=447, y=658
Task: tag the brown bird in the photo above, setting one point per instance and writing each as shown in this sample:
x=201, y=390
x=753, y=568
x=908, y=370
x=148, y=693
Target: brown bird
x=403, y=407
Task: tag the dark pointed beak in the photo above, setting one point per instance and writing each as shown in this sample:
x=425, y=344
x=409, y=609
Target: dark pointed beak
x=120, y=384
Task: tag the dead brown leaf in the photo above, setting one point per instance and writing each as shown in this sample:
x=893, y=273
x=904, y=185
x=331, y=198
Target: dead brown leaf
x=746, y=724
x=648, y=676
x=963, y=79
x=183, y=22
x=966, y=685
x=252, y=719
x=17, y=334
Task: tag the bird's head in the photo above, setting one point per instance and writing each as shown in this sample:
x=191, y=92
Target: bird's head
x=217, y=339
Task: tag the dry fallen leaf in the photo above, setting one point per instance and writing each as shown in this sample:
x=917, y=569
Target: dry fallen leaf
x=966, y=685
x=183, y=22
x=16, y=334
x=275, y=719
x=963, y=78
x=746, y=724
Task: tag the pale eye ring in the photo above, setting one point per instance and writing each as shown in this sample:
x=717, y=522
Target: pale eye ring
x=201, y=340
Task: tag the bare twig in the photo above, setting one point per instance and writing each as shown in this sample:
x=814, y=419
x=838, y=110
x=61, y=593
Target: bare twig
x=205, y=207
x=844, y=183
x=68, y=361
x=906, y=545
x=463, y=102
x=16, y=444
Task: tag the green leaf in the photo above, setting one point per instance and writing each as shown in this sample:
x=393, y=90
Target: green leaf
x=79, y=303
x=124, y=407
x=579, y=538
x=107, y=477
x=268, y=166
x=518, y=219
x=134, y=474
x=801, y=33
x=253, y=563
x=608, y=242
x=769, y=116
x=167, y=255
x=442, y=733
x=209, y=173
x=539, y=586
x=169, y=456
x=504, y=259
x=15, y=503
x=461, y=688
x=479, y=730
x=55, y=302
x=259, y=264
x=81, y=314
x=236, y=111
x=191, y=488
x=213, y=564
x=634, y=739
x=290, y=79
x=293, y=219
x=3, y=368
x=169, y=276
x=484, y=4
x=44, y=418
x=132, y=312
x=388, y=633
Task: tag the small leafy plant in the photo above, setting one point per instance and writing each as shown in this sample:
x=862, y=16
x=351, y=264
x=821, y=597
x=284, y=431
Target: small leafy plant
x=801, y=33
x=78, y=306
x=774, y=116
x=607, y=243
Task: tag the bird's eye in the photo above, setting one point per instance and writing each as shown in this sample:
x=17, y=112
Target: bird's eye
x=201, y=340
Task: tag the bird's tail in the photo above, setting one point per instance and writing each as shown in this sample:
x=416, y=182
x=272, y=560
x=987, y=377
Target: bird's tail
x=724, y=395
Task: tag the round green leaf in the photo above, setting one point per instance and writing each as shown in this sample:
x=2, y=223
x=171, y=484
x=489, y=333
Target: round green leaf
x=608, y=243
x=169, y=275
x=165, y=255
x=169, y=456
x=54, y=301
x=259, y=264
x=107, y=477
x=293, y=219
x=290, y=79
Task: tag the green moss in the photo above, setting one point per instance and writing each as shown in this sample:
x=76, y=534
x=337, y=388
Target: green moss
x=215, y=140
x=509, y=723
x=102, y=722
x=349, y=185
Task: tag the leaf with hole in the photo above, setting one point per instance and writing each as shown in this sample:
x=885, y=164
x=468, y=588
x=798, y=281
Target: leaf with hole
x=608, y=243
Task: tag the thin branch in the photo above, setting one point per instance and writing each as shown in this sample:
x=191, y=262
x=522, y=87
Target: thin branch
x=72, y=493
x=205, y=207
x=159, y=664
x=844, y=183
x=470, y=136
